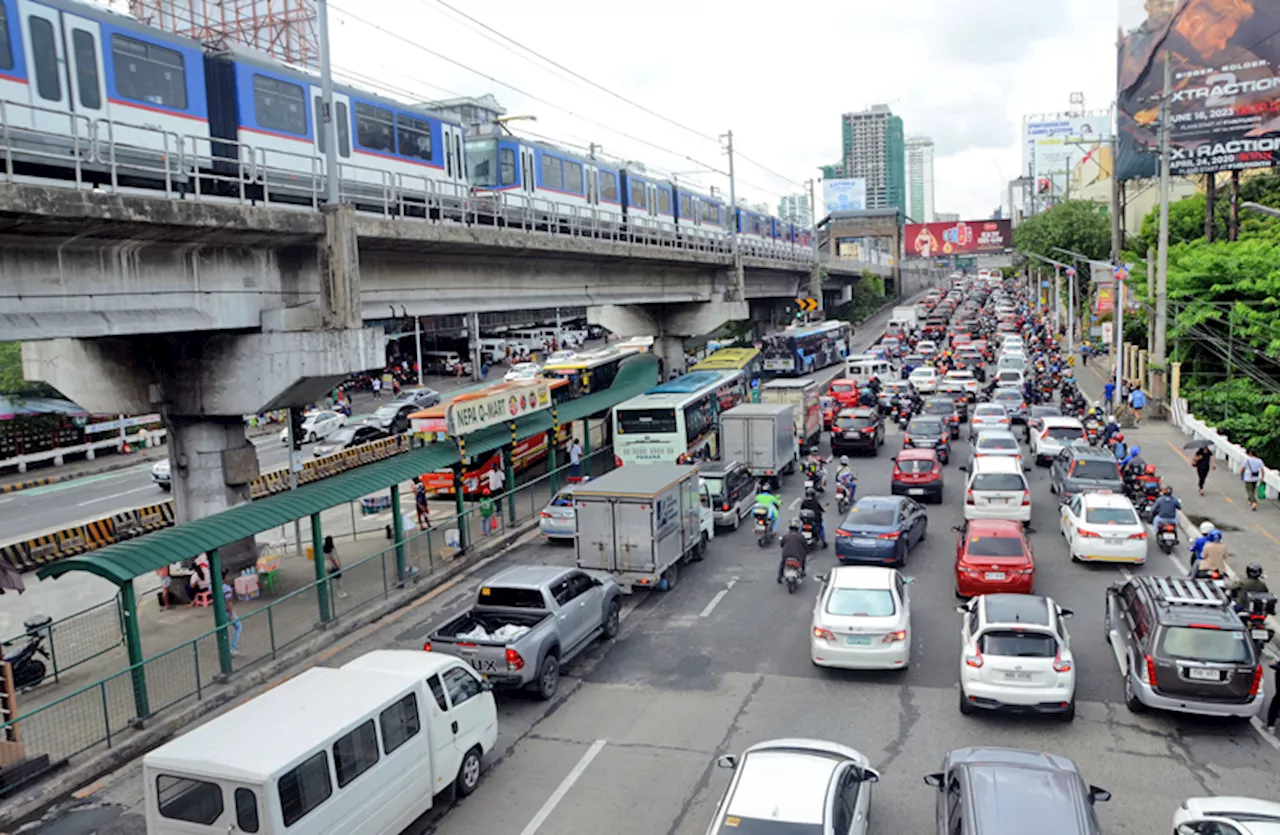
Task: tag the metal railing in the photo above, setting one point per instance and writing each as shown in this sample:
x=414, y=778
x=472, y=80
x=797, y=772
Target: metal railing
x=77, y=638
x=96, y=715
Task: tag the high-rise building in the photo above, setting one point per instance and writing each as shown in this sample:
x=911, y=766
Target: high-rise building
x=920, y=179
x=832, y=172
x=795, y=208
x=874, y=150
x=946, y=217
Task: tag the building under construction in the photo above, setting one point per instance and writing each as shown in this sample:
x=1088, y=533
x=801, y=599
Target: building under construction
x=284, y=29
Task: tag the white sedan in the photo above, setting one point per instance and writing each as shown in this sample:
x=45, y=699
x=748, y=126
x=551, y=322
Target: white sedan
x=965, y=378
x=862, y=620
x=1103, y=527
x=995, y=442
x=1054, y=435
x=317, y=425
x=924, y=379
x=1226, y=816
x=523, y=371
x=988, y=416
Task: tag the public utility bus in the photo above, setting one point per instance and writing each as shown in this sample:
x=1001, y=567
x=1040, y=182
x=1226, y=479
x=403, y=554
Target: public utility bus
x=804, y=349
x=677, y=422
x=746, y=360
x=591, y=371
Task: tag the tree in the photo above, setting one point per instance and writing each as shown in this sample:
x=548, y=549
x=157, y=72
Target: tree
x=1077, y=225
x=11, y=380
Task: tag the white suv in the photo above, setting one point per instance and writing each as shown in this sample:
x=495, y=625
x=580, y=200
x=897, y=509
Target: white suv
x=1056, y=434
x=997, y=489
x=924, y=379
x=1016, y=656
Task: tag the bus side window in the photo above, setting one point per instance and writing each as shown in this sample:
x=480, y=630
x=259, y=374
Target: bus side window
x=246, y=810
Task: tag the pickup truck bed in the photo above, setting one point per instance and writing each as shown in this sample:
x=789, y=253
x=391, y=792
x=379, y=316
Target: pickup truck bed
x=490, y=622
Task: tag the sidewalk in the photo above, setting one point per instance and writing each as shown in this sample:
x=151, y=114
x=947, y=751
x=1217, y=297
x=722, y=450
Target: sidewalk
x=104, y=463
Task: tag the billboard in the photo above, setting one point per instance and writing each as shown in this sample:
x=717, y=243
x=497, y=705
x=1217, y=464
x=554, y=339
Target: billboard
x=1224, y=56
x=929, y=240
x=844, y=195
x=1066, y=153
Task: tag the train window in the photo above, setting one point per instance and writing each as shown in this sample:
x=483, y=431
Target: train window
x=150, y=73
x=711, y=214
x=45, y=52
x=375, y=128
x=86, y=53
x=507, y=158
x=686, y=206
x=414, y=136
x=637, y=195
x=573, y=177
x=279, y=105
x=609, y=186
x=6, y=47
x=664, y=201
x=552, y=174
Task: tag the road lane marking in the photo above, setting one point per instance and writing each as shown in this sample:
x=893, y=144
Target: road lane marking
x=795, y=503
x=563, y=789
x=110, y=496
x=715, y=601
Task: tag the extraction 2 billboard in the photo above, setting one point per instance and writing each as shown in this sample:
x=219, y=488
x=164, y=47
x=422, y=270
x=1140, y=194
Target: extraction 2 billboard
x=965, y=237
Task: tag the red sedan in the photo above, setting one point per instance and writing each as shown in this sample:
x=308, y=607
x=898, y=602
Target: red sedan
x=993, y=556
x=845, y=392
x=918, y=473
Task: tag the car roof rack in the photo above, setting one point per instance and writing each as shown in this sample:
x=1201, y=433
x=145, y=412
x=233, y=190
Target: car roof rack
x=1187, y=591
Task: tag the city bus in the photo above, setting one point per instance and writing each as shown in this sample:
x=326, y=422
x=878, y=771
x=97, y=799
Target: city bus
x=677, y=422
x=589, y=372
x=804, y=349
x=746, y=360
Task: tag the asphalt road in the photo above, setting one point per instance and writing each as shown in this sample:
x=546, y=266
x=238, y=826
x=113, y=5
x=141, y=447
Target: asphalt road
x=721, y=662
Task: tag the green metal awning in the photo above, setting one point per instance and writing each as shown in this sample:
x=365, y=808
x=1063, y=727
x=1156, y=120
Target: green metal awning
x=121, y=562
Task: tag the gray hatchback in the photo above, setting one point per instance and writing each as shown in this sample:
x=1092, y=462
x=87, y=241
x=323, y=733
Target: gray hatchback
x=1082, y=469
x=1000, y=791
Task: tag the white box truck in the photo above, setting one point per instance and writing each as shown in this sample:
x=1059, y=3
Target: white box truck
x=905, y=316
x=761, y=436
x=804, y=395
x=641, y=522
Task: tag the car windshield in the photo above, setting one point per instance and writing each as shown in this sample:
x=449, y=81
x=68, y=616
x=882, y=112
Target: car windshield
x=871, y=603
x=863, y=515
x=1018, y=644
x=514, y=598
x=1064, y=433
x=915, y=466
x=998, y=481
x=939, y=407
x=715, y=486
x=1221, y=646
x=989, y=442
x=923, y=373
x=995, y=546
x=661, y=421
x=1009, y=395
x=343, y=436
x=563, y=500
x=925, y=427
x=1105, y=470
x=386, y=411
x=990, y=411
x=841, y=388
x=1110, y=516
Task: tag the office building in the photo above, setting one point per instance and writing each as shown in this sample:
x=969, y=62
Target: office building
x=874, y=149
x=795, y=208
x=920, y=179
x=946, y=217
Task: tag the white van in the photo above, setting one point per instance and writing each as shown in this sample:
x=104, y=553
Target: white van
x=997, y=489
x=862, y=369
x=361, y=750
x=493, y=350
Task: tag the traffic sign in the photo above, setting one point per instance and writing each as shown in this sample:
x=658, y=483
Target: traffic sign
x=1071, y=271
x=1122, y=272
x=806, y=305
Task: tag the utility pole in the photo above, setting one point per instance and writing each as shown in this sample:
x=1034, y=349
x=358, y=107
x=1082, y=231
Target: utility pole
x=476, y=353
x=417, y=339
x=1116, y=243
x=1071, y=311
x=331, y=190
x=739, y=279
x=293, y=483
x=815, y=274
x=1162, y=264
x=1057, y=296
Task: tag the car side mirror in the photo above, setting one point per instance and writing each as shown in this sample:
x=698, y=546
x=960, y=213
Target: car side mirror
x=962, y=609
x=870, y=775
x=820, y=578
x=934, y=780
x=908, y=580
x=958, y=528
x=963, y=468
x=727, y=761
x=486, y=685
x=1065, y=613
x=596, y=581
x=1026, y=469
x=1098, y=795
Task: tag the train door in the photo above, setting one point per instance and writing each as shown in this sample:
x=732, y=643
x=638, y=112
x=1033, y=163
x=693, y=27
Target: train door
x=651, y=192
x=85, y=71
x=341, y=124
x=42, y=32
x=528, y=170
x=591, y=176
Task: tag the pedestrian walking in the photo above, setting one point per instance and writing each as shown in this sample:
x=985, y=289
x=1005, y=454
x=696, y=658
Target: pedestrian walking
x=1251, y=473
x=395, y=386
x=420, y=501
x=486, y=513
x=335, y=566
x=233, y=620
x=484, y=370
x=457, y=370
x=1203, y=462
x=1109, y=391
x=1137, y=402
x=376, y=385
x=496, y=479
x=575, y=459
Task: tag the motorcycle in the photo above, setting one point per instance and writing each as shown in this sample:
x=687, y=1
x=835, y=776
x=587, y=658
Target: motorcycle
x=1254, y=607
x=763, y=529
x=791, y=573
x=844, y=495
x=809, y=528
x=1093, y=431
x=28, y=670
x=1167, y=536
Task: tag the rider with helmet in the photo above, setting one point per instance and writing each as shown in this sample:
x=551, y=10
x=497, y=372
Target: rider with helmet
x=811, y=503
x=1213, y=555
x=765, y=498
x=1165, y=508
x=1251, y=584
x=793, y=548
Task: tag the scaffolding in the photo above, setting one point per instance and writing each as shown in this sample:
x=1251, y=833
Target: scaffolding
x=284, y=29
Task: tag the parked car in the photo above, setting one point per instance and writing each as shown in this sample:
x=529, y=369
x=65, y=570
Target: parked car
x=316, y=425
x=993, y=556
x=929, y=433
x=1181, y=647
x=1053, y=435
x=732, y=490
x=823, y=787
x=857, y=430
x=988, y=416
x=917, y=473
x=348, y=437
x=556, y=521
x=997, y=489
x=992, y=790
x=1103, y=527
x=1079, y=469
x=1226, y=816
x=862, y=619
x=1016, y=656
x=393, y=417
x=943, y=408
x=880, y=530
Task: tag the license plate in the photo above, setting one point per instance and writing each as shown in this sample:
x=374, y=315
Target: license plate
x=1017, y=675
x=859, y=640
x=994, y=575
x=1201, y=674
x=1260, y=634
x=859, y=541
x=484, y=665
x=1115, y=542
x=915, y=491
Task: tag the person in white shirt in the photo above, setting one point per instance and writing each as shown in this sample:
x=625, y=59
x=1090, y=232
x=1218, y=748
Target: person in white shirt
x=496, y=478
x=575, y=459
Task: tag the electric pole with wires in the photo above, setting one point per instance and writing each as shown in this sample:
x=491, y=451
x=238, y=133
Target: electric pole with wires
x=739, y=279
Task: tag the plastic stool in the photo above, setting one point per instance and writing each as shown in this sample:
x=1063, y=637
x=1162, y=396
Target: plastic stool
x=203, y=598
x=269, y=581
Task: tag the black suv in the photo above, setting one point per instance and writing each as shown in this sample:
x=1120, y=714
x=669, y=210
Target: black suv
x=929, y=433
x=1181, y=646
x=997, y=791
x=860, y=429
x=945, y=408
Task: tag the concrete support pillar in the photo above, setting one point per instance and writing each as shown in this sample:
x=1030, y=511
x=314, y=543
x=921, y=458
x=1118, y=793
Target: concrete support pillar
x=340, y=269
x=397, y=525
x=1142, y=369
x=1175, y=381
x=322, y=568
x=670, y=351
x=220, y=618
x=668, y=324
x=212, y=464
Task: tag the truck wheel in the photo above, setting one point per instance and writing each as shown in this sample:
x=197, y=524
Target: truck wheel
x=548, y=677
x=613, y=620
x=672, y=576
x=468, y=773
x=700, y=550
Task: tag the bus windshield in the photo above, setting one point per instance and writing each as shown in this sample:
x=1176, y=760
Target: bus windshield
x=640, y=421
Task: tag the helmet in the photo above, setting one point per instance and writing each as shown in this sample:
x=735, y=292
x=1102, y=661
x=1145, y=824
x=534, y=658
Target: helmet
x=1215, y=535
x=1168, y=491
x=1119, y=436
x=809, y=493
x=1150, y=469
x=844, y=460
x=1254, y=571
x=794, y=524
x=1206, y=528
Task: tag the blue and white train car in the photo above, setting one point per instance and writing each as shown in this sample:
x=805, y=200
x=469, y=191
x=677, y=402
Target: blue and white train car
x=66, y=67
x=754, y=229
x=648, y=203
x=521, y=175
x=699, y=217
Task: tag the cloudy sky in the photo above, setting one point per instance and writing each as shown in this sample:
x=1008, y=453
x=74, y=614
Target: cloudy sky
x=962, y=72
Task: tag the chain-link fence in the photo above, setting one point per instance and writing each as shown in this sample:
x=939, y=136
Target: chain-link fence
x=77, y=638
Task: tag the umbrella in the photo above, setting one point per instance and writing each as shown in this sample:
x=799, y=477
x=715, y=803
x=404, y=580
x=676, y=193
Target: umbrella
x=1198, y=443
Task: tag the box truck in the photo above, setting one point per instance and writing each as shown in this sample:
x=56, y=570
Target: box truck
x=762, y=436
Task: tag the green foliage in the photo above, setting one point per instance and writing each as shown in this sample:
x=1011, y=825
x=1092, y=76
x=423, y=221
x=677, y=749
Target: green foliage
x=1241, y=411
x=11, y=381
x=1078, y=225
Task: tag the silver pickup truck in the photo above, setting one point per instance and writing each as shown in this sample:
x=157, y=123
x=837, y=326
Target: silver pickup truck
x=528, y=621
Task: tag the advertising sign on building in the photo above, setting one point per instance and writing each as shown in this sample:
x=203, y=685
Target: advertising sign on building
x=844, y=195
x=1062, y=151
x=929, y=240
x=1225, y=61
x=1106, y=301
x=497, y=407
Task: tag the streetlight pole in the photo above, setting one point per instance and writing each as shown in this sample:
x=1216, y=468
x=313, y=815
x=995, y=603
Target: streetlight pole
x=1162, y=242
x=739, y=280
x=328, y=126
x=417, y=338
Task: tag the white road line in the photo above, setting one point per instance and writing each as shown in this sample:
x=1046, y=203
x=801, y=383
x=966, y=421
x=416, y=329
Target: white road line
x=795, y=503
x=715, y=601
x=116, y=495
x=563, y=789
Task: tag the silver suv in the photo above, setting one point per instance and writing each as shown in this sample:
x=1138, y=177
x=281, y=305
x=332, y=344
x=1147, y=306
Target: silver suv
x=1079, y=469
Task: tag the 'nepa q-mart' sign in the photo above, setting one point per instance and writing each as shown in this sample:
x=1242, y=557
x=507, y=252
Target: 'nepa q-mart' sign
x=497, y=407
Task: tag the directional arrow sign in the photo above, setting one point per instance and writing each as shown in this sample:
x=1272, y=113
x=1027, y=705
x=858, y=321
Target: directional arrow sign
x=806, y=305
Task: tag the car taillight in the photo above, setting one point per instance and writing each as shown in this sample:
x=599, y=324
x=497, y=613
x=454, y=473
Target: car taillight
x=1139, y=535
x=824, y=634
x=974, y=660
x=546, y=515
x=1256, y=687
x=968, y=497
x=889, y=535
x=1059, y=665
x=1083, y=532
x=725, y=507
x=900, y=635
x=1151, y=671
x=617, y=462
x=514, y=661
x=426, y=647
x=1026, y=497
x=906, y=439
x=897, y=473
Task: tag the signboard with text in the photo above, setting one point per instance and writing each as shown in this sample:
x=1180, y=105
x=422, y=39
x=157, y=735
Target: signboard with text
x=844, y=195
x=496, y=407
x=930, y=240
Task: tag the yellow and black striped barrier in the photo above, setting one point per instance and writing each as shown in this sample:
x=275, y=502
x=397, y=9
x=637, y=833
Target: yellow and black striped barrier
x=16, y=556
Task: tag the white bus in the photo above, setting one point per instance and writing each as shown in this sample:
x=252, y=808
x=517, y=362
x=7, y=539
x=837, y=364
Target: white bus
x=361, y=750
x=677, y=422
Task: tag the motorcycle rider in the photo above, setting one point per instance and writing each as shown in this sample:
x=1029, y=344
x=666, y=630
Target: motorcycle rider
x=1165, y=509
x=811, y=503
x=843, y=469
x=766, y=499
x=1118, y=446
x=1251, y=584
x=874, y=385
x=793, y=548
x=1213, y=555
x=1206, y=528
